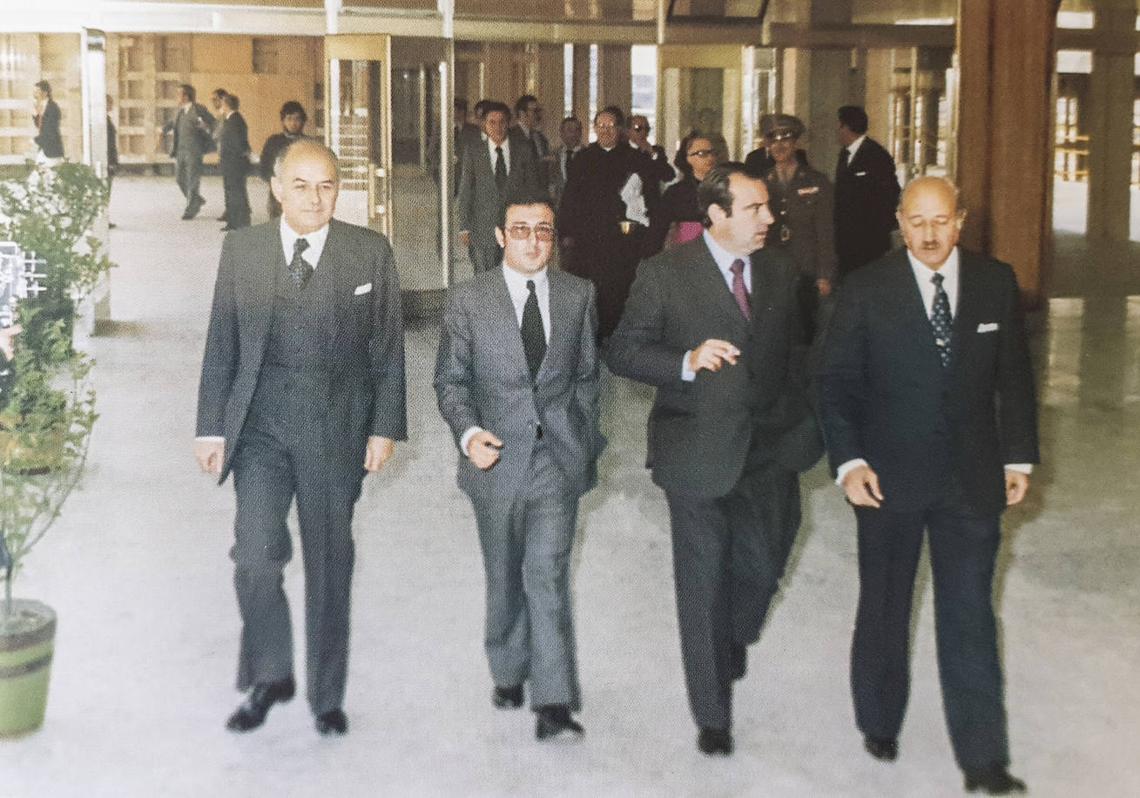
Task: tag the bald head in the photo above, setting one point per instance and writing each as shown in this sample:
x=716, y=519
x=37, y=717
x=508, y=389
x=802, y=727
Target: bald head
x=930, y=219
x=305, y=182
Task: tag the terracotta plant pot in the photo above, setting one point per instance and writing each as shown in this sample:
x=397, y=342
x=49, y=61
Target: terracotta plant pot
x=27, y=642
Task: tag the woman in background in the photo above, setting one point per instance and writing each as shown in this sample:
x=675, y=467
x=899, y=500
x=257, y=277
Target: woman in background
x=678, y=219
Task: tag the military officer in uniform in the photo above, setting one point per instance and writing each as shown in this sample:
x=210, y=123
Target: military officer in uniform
x=802, y=200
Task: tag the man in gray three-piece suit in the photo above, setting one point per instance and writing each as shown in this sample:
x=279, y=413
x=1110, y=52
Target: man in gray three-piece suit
x=302, y=392
x=517, y=382
x=498, y=167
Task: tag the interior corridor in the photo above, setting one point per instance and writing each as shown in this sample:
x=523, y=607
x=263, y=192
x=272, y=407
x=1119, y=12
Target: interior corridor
x=137, y=569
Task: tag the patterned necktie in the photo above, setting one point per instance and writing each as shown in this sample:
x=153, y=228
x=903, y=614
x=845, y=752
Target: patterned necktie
x=941, y=320
x=533, y=336
x=500, y=170
x=738, y=289
x=299, y=268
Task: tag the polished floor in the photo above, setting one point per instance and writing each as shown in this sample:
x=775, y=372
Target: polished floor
x=137, y=568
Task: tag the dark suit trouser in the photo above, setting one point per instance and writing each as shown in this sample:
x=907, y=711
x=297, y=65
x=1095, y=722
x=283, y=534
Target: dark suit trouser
x=728, y=556
x=188, y=174
x=610, y=263
x=274, y=462
x=237, y=199
x=485, y=257
x=526, y=543
x=963, y=549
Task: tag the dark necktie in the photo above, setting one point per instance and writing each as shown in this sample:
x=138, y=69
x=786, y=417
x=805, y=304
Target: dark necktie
x=566, y=165
x=738, y=290
x=299, y=268
x=533, y=336
x=500, y=170
x=941, y=320
x=844, y=159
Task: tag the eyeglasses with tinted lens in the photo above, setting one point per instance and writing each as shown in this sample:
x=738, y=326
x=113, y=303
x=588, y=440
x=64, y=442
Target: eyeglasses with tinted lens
x=521, y=232
x=701, y=153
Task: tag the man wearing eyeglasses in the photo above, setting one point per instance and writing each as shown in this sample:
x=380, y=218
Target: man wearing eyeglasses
x=517, y=381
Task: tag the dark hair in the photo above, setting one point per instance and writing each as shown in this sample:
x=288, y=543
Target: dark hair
x=294, y=107
x=853, y=118
x=481, y=106
x=522, y=102
x=188, y=90
x=525, y=197
x=615, y=112
x=231, y=101
x=681, y=159
x=573, y=119
x=219, y=93
x=44, y=86
x=714, y=189
x=491, y=106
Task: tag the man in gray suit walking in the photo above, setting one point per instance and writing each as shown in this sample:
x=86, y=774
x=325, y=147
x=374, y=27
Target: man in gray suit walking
x=302, y=392
x=489, y=172
x=517, y=382
x=193, y=136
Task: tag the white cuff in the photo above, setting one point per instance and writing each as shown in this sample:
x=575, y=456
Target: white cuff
x=465, y=439
x=687, y=374
x=210, y=439
x=1021, y=468
x=846, y=468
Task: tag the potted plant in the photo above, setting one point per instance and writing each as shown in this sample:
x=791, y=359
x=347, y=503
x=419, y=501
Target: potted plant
x=46, y=407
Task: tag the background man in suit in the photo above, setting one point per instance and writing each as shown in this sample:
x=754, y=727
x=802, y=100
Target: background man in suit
x=490, y=172
x=517, y=382
x=302, y=391
x=866, y=194
x=192, y=129
x=233, y=152
x=293, y=118
x=47, y=118
x=655, y=170
x=930, y=419
x=528, y=119
x=728, y=431
x=570, y=134
x=216, y=98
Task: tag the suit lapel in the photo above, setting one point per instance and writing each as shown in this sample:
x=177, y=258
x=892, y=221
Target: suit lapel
x=333, y=269
x=262, y=267
x=560, y=325
x=706, y=278
x=966, y=315
x=505, y=321
x=914, y=314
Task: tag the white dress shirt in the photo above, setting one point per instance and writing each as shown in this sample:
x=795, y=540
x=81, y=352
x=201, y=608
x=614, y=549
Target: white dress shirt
x=506, y=145
x=724, y=260
x=853, y=148
x=516, y=286
x=923, y=275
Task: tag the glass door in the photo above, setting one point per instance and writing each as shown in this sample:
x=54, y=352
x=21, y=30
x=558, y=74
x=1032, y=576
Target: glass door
x=358, y=127
x=701, y=88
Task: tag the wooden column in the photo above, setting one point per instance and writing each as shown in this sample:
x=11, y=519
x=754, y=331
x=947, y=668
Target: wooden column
x=581, y=86
x=615, y=79
x=1005, y=133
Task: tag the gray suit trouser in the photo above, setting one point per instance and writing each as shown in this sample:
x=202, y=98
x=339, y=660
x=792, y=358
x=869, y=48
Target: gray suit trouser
x=188, y=173
x=275, y=462
x=526, y=542
x=728, y=556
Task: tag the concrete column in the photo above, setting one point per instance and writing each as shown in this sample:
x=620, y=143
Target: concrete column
x=1110, y=120
x=615, y=78
x=1005, y=149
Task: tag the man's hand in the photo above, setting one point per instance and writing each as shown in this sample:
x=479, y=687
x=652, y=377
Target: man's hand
x=465, y=237
x=713, y=354
x=378, y=452
x=861, y=485
x=7, y=342
x=209, y=455
x=483, y=449
x=1016, y=486
x=823, y=285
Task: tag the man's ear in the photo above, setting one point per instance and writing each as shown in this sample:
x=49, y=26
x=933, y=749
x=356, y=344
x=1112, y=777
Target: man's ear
x=716, y=213
x=960, y=218
x=500, y=237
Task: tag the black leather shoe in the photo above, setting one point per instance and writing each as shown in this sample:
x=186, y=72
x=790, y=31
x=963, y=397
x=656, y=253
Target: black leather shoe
x=739, y=661
x=881, y=748
x=332, y=722
x=222, y=218
x=554, y=722
x=715, y=742
x=253, y=710
x=994, y=780
x=507, y=697
x=227, y=228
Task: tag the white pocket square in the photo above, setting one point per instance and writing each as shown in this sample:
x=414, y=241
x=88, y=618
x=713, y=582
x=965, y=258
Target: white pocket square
x=991, y=326
x=362, y=289
x=860, y=174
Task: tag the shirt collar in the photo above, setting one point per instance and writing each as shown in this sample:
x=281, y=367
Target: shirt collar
x=923, y=273
x=316, y=241
x=722, y=256
x=517, y=282
x=853, y=147
x=506, y=145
